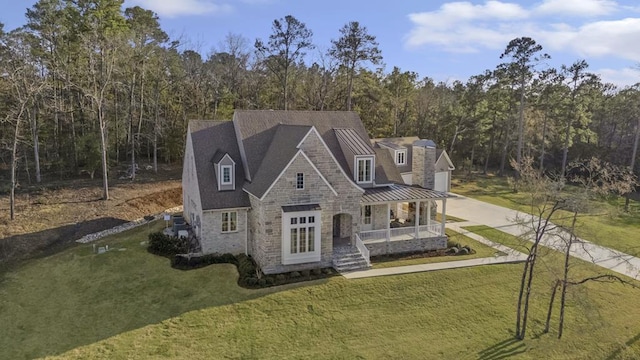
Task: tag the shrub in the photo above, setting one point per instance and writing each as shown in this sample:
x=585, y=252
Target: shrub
x=294, y=274
x=165, y=245
x=316, y=272
x=305, y=273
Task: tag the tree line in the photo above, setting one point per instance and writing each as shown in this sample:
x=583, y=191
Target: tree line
x=86, y=85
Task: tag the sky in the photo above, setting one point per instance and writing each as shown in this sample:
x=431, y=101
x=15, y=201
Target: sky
x=443, y=40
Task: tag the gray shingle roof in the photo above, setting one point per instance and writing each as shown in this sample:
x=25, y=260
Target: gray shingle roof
x=282, y=148
x=400, y=142
x=256, y=128
x=399, y=192
x=210, y=138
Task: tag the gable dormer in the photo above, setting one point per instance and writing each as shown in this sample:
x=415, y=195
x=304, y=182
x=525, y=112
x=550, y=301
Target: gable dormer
x=359, y=155
x=225, y=169
x=398, y=152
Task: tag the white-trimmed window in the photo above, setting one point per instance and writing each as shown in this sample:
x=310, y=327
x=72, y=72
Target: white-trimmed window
x=227, y=176
x=229, y=221
x=300, y=181
x=300, y=237
x=364, y=169
x=401, y=157
x=366, y=215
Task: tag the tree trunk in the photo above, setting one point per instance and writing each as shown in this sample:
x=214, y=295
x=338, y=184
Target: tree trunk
x=505, y=147
x=565, y=277
x=523, y=280
x=565, y=150
x=521, y=121
x=131, y=129
x=550, y=310
x=544, y=135
x=103, y=149
x=632, y=165
x=36, y=144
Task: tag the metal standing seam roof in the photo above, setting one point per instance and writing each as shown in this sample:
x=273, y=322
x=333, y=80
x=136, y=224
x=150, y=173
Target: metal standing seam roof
x=351, y=139
x=296, y=208
x=398, y=192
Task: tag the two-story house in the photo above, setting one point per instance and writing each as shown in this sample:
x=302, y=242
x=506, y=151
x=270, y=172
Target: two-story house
x=306, y=189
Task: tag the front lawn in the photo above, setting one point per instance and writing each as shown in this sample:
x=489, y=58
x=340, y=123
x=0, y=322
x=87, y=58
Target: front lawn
x=131, y=304
x=606, y=224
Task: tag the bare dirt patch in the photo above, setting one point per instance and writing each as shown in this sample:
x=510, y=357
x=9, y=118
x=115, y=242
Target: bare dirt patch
x=49, y=218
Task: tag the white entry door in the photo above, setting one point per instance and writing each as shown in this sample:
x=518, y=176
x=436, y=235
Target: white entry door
x=442, y=181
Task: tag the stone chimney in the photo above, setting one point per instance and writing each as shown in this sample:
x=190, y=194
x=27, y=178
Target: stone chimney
x=423, y=164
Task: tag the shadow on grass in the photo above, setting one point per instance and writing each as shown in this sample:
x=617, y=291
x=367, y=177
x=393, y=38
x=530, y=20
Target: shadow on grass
x=94, y=297
x=48, y=242
x=502, y=350
x=630, y=342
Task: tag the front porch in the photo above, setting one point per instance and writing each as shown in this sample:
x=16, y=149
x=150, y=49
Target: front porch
x=401, y=218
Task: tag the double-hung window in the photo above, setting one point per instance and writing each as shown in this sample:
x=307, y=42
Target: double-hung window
x=367, y=215
x=364, y=170
x=229, y=221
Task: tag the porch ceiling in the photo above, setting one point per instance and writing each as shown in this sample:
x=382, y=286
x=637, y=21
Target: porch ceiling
x=397, y=192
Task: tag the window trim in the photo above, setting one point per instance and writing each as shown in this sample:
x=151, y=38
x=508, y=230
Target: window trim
x=288, y=257
x=222, y=169
x=356, y=174
x=367, y=219
x=229, y=222
x=404, y=157
x=300, y=181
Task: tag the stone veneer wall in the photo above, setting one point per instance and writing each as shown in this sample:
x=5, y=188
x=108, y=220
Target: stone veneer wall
x=404, y=246
x=423, y=166
x=266, y=215
x=213, y=240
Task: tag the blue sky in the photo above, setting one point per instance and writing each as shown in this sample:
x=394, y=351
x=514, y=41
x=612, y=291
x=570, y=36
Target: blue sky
x=444, y=40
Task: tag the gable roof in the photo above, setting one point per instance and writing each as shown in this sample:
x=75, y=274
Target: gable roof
x=282, y=148
x=440, y=153
x=256, y=130
x=210, y=139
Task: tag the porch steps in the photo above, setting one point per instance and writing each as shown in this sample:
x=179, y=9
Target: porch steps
x=347, y=259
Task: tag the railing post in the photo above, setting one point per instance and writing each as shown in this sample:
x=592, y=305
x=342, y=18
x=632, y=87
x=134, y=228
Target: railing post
x=444, y=215
x=417, y=220
x=388, y=222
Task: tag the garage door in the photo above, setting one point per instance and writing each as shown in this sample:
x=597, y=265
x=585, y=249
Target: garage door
x=442, y=181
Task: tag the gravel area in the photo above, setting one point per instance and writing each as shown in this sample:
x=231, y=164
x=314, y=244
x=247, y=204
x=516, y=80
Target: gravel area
x=126, y=226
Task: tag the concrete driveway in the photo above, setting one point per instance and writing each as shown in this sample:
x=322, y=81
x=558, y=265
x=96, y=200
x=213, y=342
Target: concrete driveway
x=503, y=219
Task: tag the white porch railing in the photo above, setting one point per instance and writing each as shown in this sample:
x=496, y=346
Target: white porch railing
x=434, y=229
x=363, y=250
x=401, y=233
x=373, y=235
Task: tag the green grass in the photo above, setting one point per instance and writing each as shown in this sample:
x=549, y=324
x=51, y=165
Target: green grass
x=131, y=304
x=449, y=218
x=605, y=224
x=481, y=251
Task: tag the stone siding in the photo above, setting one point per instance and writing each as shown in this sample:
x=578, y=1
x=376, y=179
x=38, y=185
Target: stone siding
x=213, y=240
x=404, y=246
x=192, y=208
x=423, y=166
x=266, y=234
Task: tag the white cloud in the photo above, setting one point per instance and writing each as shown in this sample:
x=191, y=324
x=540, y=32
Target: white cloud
x=173, y=8
x=620, y=77
x=586, y=8
x=459, y=26
x=465, y=27
x=616, y=38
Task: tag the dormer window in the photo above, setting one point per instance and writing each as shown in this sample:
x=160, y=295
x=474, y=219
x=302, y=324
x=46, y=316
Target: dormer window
x=364, y=169
x=226, y=175
x=401, y=157
x=225, y=169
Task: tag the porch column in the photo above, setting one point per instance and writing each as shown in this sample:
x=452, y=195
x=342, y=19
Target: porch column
x=429, y=213
x=444, y=214
x=417, y=220
x=388, y=222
